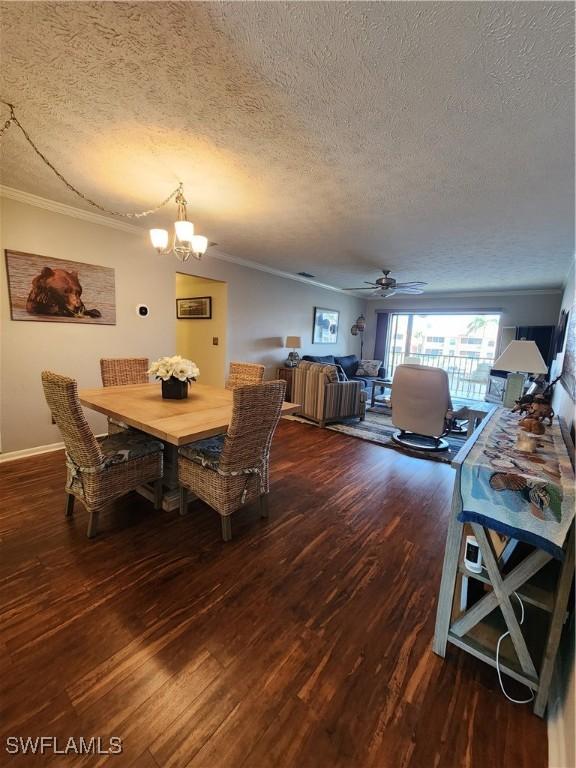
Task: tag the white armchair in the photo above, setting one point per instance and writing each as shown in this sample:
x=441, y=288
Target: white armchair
x=420, y=404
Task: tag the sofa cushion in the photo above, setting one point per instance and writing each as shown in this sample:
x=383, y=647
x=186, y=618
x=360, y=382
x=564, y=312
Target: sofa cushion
x=325, y=360
x=368, y=367
x=349, y=364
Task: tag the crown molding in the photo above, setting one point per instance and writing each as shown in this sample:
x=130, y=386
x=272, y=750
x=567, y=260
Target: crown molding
x=97, y=218
x=223, y=256
x=67, y=210
x=469, y=295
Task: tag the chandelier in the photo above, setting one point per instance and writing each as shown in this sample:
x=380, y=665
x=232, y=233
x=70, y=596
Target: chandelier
x=184, y=243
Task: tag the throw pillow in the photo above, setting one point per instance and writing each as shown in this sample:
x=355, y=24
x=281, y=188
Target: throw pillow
x=341, y=374
x=368, y=367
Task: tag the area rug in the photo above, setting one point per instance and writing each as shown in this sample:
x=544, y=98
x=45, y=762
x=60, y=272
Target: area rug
x=378, y=428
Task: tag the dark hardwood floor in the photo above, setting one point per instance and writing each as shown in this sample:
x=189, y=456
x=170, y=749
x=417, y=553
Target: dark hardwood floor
x=304, y=642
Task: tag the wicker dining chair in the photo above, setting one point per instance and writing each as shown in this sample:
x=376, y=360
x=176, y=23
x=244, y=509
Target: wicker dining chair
x=241, y=374
x=228, y=471
x=99, y=470
x=118, y=372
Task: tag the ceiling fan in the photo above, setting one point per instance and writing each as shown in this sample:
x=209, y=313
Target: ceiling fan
x=387, y=286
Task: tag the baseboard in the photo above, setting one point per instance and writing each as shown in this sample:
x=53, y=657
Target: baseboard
x=23, y=454
x=26, y=452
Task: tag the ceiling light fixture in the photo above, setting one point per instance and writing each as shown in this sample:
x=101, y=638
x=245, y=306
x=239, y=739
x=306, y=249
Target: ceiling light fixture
x=184, y=243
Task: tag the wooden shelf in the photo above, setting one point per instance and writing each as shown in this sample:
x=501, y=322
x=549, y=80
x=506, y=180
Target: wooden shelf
x=482, y=639
x=537, y=591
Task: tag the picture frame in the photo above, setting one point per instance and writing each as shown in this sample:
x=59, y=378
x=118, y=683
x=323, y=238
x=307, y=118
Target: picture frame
x=325, y=328
x=53, y=290
x=194, y=308
x=568, y=375
x=561, y=331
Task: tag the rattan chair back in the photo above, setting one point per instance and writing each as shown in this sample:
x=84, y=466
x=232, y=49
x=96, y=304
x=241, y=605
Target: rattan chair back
x=62, y=397
x=241, y=374
x=120, y=371
x=255, y=415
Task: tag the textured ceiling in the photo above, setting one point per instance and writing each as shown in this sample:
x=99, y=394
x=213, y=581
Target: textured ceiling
x=336, y=138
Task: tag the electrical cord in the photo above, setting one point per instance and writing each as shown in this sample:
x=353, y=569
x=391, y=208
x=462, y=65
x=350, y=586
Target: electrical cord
x=514, y=701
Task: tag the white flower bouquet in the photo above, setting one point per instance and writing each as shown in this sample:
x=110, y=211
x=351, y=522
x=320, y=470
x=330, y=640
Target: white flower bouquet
x=175, y=367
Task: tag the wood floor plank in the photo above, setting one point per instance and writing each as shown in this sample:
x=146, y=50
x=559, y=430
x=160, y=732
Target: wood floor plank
x=305, y=642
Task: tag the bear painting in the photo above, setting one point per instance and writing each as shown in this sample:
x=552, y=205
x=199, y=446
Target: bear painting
x=58, y=292
x=62, y=291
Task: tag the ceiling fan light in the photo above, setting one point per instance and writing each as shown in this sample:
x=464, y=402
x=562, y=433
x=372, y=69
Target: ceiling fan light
x=159, y=239
x=184, y=230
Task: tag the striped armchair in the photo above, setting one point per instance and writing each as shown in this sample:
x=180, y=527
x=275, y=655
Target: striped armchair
x=323, y=398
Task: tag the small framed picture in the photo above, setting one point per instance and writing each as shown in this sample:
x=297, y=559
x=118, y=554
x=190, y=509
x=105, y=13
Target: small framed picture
x=195, y=308
x=325, y=329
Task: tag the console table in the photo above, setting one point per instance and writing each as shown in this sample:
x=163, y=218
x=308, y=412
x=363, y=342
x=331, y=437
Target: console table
x=500, y=491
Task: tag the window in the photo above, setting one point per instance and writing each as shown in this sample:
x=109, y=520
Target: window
x=458, y=342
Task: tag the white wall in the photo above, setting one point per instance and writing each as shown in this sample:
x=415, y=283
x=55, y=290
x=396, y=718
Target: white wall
x=562, y=402
x=262, y=309
x=516, y=308
x=562, y=710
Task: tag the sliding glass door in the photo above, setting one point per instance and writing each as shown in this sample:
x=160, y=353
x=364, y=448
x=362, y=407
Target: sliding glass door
x=464, y=345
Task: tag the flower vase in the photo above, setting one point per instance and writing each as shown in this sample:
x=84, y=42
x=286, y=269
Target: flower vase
x=174, y=389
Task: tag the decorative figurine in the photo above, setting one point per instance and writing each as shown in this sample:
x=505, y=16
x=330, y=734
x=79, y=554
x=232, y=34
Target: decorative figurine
x=533, y=425
x=541, y=410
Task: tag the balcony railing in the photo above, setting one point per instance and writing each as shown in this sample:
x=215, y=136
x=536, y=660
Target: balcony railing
x=468, y=376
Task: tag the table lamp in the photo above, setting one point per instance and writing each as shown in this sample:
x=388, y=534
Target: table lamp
x=293, y=343
x=519, y=358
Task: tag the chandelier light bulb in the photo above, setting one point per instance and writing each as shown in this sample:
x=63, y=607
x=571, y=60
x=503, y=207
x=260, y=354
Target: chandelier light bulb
x=184, y=230
x=159, y=239
x=199, y=245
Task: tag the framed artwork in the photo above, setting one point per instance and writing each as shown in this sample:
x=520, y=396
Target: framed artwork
x=194, y=308
x=561, y=331
x=49, y=290
x=568, y=376
x=325, y=330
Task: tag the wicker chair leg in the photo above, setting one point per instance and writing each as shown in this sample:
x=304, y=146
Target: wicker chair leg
x=263, y=504
x=93, y=525
x=70, y=499
x=158, y=494
x=226, y=527
x=183, y=500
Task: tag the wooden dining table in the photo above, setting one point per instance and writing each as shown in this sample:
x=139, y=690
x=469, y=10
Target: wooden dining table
x=206, y=412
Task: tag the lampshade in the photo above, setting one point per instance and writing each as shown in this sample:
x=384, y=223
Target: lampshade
x=293, y=342
x=159, y=238
x=184, y=230
x=361, y=323
x=522, y=356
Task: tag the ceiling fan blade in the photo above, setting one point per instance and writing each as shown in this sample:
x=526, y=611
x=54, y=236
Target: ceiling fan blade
x=357, y=289
x=415, y=284
x=376, y=285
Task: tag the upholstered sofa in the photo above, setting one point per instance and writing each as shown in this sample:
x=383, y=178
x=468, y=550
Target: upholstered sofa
x=323, y=398
x=349, y=364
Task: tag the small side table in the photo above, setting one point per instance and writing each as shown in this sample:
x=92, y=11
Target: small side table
x=381, y=384
x=287, y=374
